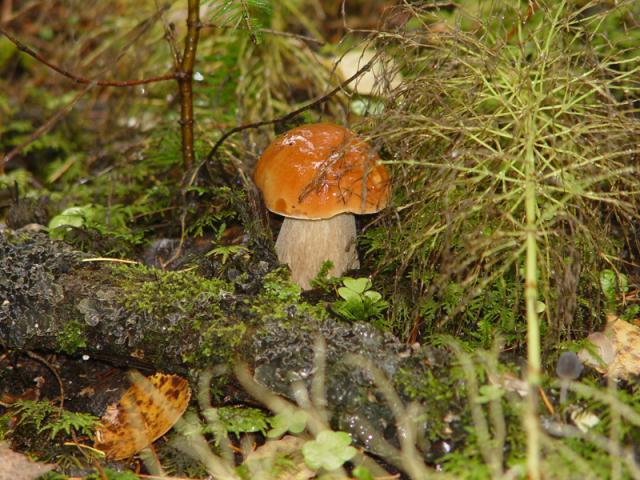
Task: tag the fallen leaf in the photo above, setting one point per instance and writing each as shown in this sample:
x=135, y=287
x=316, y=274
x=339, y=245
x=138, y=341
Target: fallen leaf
x=16, y=466
x=584, y=420
x=144, y=413
x=618, y=349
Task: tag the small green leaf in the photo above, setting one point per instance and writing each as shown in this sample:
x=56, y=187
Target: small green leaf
x=226, y=251
x=348, y=294
x=71, y=217
x=631, y=312
x=373, y=296
x=294, y=422
x=608, y=284
x=358, y=285
x=360, y=303
x=362, y=473
x=328, y=451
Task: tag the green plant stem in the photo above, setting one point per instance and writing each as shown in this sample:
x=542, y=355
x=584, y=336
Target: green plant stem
x=531, y=297
x=185, y=82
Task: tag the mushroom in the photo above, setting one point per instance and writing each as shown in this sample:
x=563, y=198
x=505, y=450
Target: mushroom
x=568, y=368
x=317, y=176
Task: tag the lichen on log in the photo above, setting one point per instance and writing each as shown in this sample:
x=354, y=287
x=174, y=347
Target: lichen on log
x=51, y=300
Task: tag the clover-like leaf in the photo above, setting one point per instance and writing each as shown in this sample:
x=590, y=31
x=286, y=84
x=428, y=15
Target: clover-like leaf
x=373, y=296
x=328, y=451
x=294, y=422
x=348, y=294
x=358, y=285
x=71, y=217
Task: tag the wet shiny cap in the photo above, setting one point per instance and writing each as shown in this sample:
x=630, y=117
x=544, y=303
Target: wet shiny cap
x=321, y=170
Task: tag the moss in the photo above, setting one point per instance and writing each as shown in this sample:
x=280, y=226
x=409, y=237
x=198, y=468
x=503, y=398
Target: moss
x=157, y=293
x=440, y=388
x=187, y=305
x=281, y=299
x=72, y=337
x=279, y=288
x=219, y=341
x=207, y=316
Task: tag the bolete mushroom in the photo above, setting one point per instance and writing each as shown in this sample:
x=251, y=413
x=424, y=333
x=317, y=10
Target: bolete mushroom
x=317, y=176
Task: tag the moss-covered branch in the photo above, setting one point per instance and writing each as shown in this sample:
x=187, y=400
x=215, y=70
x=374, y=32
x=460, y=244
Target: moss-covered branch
x=52, y=300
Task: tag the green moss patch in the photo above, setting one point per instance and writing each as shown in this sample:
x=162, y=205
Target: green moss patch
x=72, y=337
x=187, y=305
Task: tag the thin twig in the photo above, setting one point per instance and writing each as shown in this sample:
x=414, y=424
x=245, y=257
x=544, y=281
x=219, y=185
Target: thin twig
x=247, y=21
x=169, y=35
x=533, y=8
x=546, y=401
x=89, y=84
x=83, y=80
x=270, y=31
x=290, y=115
x=183, y=236
x=54, y=370
x=6, y=5
x=297, y=36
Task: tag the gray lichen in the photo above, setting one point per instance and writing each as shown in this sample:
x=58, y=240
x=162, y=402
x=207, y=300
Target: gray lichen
x=29, y=266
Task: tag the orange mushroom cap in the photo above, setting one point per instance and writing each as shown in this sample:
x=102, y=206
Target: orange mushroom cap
x=317, y=171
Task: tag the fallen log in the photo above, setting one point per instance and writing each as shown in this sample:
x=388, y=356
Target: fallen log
x=53, y=300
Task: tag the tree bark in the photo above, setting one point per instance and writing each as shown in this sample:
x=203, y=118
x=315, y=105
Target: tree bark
x=185, y=82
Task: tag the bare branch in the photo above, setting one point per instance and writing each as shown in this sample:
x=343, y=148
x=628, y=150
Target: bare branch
x=78, y=79
x=170, y=37
x=270, y=31
x=304, y=38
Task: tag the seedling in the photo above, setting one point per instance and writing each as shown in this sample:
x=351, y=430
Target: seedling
x=294, y=422
x=328, y=451
x=359, y=302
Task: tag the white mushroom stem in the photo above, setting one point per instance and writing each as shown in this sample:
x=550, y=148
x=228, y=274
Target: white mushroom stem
x=305, y=245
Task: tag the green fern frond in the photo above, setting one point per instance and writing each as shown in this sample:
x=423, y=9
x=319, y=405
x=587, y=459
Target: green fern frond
x=45, y=417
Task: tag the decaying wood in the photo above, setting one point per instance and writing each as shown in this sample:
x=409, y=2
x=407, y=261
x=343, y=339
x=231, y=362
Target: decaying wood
x=49, y=296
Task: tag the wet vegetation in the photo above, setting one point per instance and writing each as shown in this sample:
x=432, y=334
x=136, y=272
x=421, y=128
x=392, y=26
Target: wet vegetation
x=459, y=347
